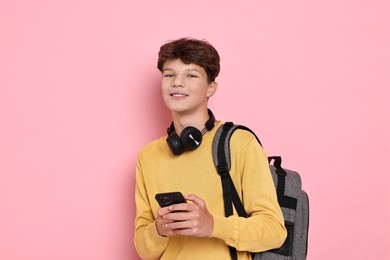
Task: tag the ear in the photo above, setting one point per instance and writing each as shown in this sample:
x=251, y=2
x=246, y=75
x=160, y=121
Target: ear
x=211, y=89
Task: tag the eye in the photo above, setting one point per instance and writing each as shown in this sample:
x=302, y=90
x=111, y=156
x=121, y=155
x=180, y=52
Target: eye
x=192, y=76
x=168, y=75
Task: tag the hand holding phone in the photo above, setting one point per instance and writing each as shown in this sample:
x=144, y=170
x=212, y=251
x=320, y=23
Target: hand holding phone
x=192, y=219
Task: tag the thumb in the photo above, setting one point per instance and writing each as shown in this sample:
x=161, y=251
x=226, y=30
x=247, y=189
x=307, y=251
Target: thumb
x=196, y=200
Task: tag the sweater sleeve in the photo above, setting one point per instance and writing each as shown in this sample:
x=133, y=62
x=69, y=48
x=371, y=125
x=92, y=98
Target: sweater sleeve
x=264, y=228
x=148, y=243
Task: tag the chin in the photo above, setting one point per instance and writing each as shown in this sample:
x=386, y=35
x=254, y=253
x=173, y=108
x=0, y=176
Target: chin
x=177, y=109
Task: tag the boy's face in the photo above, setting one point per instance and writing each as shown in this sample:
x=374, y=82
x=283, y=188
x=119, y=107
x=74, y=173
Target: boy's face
x=185, y=87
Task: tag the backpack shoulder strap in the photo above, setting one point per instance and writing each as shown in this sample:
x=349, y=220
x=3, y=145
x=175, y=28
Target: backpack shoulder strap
x=221, y=158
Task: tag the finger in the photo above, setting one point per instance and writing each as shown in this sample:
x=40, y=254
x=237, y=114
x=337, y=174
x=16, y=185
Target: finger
x=178, y=225
x=163, y=211
x=195, y=199
x=166, y=210
x=181, y=207
x=162, y=228
x=179, y=216
x=184, y=232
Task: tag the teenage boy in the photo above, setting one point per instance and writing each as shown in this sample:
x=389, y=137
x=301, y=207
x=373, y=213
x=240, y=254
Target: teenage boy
x=182, y=161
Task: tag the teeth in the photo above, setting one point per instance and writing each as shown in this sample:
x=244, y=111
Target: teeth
x=178, y=95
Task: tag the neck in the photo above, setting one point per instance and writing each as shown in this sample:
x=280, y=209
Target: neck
x=181, y=120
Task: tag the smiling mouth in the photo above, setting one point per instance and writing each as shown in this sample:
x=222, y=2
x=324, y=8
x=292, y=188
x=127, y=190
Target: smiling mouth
x=178, y=95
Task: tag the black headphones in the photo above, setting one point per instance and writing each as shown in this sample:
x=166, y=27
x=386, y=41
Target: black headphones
x=190, y=138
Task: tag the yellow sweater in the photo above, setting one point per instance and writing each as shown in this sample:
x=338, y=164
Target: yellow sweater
x=193, y=172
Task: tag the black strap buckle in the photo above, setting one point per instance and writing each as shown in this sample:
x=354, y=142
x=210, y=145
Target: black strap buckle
x=222, y=169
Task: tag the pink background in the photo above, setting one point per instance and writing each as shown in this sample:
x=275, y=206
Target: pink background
x=80, y=96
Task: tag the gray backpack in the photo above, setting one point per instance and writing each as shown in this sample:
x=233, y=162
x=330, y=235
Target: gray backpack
x=292, y=199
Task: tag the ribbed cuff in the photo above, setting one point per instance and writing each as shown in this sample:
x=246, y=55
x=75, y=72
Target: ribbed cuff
x=155, y=238
x=226, y=229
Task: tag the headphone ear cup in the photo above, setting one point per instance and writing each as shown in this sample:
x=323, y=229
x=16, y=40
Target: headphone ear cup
x=174, y=143
x=191, y=138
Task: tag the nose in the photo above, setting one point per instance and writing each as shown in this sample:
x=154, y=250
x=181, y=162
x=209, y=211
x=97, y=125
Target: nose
x=178, y=82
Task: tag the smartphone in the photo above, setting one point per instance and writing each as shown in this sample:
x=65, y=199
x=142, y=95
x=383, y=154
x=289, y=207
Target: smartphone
x=169, y=198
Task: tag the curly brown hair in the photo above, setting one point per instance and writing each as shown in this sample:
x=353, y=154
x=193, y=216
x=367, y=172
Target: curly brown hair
x=190, y=50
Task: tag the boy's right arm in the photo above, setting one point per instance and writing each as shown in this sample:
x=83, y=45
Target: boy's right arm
x=148, y=243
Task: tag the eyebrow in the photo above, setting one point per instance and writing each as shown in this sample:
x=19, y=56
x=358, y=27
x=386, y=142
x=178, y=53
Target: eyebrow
x=189, y=69
x=192, y=69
